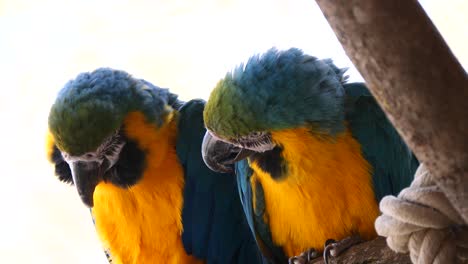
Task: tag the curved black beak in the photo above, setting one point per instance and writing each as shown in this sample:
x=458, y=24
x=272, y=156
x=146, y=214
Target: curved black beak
x=220, y=156
x=86, y=176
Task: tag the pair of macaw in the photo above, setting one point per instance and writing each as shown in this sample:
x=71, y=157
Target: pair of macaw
x=312, y=156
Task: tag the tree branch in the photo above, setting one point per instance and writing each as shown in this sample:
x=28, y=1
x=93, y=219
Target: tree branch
x=370, y=252
x=416, y=79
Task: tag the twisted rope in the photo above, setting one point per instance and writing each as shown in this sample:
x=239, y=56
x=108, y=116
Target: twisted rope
x=422, y=220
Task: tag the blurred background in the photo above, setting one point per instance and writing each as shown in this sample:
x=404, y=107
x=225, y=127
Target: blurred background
x=184, y=45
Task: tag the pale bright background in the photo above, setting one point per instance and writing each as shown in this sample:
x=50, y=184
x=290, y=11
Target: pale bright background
x=186, y=45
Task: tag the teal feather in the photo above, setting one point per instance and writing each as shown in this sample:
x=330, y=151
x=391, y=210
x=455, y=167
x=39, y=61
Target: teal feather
x=215, y=227
x=260, y=229
x=393, y=163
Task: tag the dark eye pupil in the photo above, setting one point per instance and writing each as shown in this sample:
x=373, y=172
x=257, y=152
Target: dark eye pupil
x=89, y=155
x=255, y=134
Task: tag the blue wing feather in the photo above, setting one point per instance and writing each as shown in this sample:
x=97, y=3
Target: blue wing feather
x=393, y=162
x=215, y=227
x=261, y=230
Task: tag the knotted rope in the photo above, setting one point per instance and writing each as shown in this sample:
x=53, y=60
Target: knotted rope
x=422, y=220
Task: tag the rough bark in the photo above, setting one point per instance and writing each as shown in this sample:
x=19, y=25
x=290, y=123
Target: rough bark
x=415, y=78
x=371, y=252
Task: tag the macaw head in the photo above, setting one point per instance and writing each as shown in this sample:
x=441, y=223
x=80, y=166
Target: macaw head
x=275, y=91
x=87, y=128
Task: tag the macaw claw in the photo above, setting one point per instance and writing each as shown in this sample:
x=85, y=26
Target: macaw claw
x=305, y=257
x=334, y=248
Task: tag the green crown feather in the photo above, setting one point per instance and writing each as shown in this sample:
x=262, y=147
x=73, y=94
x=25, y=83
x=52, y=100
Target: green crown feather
x=93, y=106
x=277, y=90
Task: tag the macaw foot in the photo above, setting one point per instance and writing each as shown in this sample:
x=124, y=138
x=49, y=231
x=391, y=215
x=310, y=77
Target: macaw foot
x=334, y=248
x=305, y=257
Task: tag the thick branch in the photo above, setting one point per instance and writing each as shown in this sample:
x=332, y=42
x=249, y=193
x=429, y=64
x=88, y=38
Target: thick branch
x=416, y=79
x=371, y=252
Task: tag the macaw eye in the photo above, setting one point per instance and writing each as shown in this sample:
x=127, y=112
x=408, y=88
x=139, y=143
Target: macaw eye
x=258, y=135
x=259, y=141
x=65, y=156
x=90, y=155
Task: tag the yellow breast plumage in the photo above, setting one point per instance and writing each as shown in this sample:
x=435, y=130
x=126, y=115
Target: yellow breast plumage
x=139, y=224
x=326, y=194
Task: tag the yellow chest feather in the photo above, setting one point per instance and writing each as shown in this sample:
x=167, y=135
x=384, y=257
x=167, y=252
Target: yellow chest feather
x=142, y=224
x=327, y=193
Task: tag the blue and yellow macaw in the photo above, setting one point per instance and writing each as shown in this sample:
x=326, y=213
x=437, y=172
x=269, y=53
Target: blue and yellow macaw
x=133, y=151
x=320, y=153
